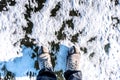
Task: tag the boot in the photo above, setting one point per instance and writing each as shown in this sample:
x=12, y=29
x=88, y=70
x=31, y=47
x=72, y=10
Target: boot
x=44, y=58
x=73, y=59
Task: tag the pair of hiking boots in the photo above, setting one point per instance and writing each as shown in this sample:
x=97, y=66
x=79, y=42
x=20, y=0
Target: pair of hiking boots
x=73, y=58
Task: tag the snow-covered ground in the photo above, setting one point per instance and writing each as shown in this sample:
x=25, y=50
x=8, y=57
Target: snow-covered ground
x=94, y=25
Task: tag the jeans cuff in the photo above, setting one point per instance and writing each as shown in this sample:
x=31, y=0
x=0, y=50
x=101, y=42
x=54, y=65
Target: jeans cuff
x=47, y=72
x=68, y=73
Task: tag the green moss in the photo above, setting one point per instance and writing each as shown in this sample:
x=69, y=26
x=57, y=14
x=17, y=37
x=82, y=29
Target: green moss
x=70, y=23
x=74, y=13
x=11, y=2
x=28, y=29
x=54, y=50
x=4, y=3
x=116, y=2
x=92, y=39
x=40, y=4
x=9, y=76
x=84, y=49
x=59, y=75
x=54, y=11
x=60, y=34
x=27, y=42
x=75, y=38
x=117, y=21
x=54, y=46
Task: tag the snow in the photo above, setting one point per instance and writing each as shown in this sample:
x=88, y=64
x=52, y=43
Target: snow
x=98, y=26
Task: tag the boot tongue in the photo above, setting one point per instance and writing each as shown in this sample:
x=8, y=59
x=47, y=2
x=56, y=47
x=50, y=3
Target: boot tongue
x=43, y=49
x=74, y=50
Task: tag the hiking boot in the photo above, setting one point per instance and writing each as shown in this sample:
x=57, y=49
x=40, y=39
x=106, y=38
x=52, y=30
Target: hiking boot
x=73, y=59
x=44, y=58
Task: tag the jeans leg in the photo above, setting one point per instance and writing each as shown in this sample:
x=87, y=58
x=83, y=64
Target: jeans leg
x=73, y=75
x=46, y=74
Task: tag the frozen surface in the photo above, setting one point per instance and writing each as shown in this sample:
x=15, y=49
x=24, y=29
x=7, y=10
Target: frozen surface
x=94, y=25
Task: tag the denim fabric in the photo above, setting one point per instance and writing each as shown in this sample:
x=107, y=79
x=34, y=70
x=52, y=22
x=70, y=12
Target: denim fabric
x=48, y=74
x=73, y=75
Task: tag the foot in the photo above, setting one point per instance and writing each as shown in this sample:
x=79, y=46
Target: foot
x=73, y=58
x=44, y=58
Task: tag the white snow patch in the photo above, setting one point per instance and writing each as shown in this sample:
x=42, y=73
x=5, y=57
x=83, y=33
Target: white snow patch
x=95, y=20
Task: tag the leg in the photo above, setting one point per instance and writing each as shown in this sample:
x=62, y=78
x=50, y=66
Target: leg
x=46, y=74
x=73, y=75
x=45, y=65
x=73, y=65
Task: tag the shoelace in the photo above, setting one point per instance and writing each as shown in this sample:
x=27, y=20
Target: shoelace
x=44, y=63
x=72, y=65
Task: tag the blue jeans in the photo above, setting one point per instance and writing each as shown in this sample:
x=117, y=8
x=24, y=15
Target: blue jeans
x=48, y=74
